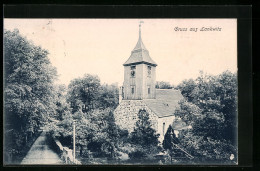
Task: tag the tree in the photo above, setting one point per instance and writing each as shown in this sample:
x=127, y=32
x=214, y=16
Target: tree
x=227, y=91
x=186, y=87
x=88, y=93
x=85, y=131
x=106, y=134
x=110, y=147
x=163, y=85
x=144, y=137
x=217, y=97
x=169, y=141
x=83, y=92
x=108, y=96
x=62, y=106
x=28, y=89
x=210, y=108
x=96, y=132
x=92, y=105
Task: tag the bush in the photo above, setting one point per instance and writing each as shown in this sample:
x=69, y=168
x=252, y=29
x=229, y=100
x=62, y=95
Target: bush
x=137, y=155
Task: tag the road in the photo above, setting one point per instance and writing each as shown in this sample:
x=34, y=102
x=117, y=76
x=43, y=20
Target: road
x=40, y=153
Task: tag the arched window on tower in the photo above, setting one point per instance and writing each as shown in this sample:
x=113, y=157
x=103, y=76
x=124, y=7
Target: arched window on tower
x=149, y=71
x=132, y=89
x=133, y=67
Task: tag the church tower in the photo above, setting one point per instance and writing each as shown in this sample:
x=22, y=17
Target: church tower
x=139, y=74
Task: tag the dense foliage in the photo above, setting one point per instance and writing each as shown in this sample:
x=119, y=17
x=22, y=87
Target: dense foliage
x=97, y=135
x=92, y=106
x=210, y=108
x=163, y=85
x=170, y=141
x=28, y=90
x=89, y=94
x=144, y=137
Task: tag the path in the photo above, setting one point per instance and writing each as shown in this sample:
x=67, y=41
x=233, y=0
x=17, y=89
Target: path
x=40, y=153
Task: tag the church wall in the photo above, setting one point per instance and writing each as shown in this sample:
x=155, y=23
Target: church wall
x=141, y=81
x=149, y=81
x=168, y=121
x=153, y=82
x=136, y=82
x=126, y=84
x=145, y=81
x=126, y=114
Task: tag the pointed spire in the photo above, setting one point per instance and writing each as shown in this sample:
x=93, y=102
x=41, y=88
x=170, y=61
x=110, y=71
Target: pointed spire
x=140, y=53
x=140, y=45
x=140, y=30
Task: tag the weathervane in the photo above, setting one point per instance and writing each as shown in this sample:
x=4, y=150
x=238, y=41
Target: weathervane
x=140, y=28
x=140, y=23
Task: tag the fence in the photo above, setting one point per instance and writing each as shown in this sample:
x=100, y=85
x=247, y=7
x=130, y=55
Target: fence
x=65, y=153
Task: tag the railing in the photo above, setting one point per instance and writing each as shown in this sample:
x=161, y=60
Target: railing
x=65, y=153
x=188, y=155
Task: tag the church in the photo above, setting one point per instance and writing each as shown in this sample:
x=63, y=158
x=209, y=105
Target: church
x=138, y=92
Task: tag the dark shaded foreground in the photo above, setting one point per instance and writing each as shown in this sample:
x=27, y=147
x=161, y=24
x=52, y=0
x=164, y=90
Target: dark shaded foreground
x=41, y=153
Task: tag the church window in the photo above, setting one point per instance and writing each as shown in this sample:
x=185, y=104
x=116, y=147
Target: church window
x=132, y=73
x=133, y=67
x=149, y=69
x=133, y=90
x=149, y=91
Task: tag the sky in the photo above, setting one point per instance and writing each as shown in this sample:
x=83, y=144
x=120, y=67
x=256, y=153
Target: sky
x=101, y=46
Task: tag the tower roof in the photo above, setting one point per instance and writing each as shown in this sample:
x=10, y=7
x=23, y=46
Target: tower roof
x=139, y=54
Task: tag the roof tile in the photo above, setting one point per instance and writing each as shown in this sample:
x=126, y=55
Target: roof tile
x=139, y=54
x=165, y=103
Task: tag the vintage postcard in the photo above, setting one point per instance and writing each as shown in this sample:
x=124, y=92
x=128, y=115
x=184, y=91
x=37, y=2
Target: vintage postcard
x=120, y=91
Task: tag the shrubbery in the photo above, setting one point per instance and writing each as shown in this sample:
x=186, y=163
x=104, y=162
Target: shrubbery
x=28, y=92
x=210, y=108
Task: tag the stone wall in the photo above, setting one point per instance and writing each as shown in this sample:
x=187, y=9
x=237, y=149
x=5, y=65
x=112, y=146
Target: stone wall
x=126, y=114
